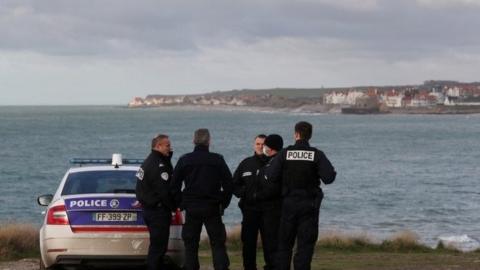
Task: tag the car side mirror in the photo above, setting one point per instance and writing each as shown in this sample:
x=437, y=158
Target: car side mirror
x=45, y=200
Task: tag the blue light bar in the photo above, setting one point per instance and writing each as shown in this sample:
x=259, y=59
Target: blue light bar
x=104, y=161
x=132, y=161
x=91, y=161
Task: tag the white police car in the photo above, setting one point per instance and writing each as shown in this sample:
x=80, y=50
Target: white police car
x=94, y=218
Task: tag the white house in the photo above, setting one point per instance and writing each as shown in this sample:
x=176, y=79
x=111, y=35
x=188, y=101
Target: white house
x=394, y=101
x=341, y=98
x=453, y=92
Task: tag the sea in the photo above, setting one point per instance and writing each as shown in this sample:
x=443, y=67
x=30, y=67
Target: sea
x=396, y=173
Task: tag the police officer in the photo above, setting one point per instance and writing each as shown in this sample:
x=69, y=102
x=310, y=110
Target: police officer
x=300, y=168
x=259, y=202
x=269, y=203
x=207, y=192
x=152, y=190
x=245, y=184
x=244, y=175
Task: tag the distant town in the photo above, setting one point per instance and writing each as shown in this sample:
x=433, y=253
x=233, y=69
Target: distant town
x=432, y=97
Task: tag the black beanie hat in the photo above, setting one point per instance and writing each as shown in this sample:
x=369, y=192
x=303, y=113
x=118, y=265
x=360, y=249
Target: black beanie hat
x=274, y=141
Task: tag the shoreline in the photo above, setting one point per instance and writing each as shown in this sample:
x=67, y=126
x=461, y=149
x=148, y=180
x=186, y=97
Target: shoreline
x=320, y=109
x=214, y=108
x=306, y=109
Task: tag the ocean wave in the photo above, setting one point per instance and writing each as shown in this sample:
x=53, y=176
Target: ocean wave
x=461, y=242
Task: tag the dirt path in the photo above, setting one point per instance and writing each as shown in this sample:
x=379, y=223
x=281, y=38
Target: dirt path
x=23, y=264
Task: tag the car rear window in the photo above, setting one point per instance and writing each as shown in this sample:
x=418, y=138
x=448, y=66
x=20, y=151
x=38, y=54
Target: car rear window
x=100, y=182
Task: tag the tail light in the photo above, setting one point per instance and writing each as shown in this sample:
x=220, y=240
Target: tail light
x=137, y=205
x=177, y=218
x=57, y=215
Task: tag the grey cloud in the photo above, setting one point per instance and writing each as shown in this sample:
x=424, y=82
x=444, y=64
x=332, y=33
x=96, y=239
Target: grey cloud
x=393, y=30
x=83, y=27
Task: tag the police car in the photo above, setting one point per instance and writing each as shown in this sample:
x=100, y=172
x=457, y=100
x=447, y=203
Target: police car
x=94, y=219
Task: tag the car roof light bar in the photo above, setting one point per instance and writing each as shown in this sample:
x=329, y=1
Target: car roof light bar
x=108, y=161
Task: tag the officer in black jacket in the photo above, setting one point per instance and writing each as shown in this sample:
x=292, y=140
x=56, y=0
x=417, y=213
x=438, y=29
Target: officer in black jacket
x=300, y=168
x=246, y=172
x=245, y=185
x=207, y=192
x=268, y=200
x=152, y=190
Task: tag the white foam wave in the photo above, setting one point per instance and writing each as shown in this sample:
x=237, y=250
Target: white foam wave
x=461, y=242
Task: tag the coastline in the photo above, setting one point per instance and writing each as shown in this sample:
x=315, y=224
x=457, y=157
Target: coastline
x=305, y=109
x=320, y=109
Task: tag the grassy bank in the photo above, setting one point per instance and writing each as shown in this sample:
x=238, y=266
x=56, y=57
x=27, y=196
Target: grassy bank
x=369, y=260
x=333, y=251
x=339, y=251
x=18, y=241
x=400, y=242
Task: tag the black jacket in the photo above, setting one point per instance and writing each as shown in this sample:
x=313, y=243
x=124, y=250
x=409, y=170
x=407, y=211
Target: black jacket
x=268, y=191
x=153, y=181
x=206, y=177
x=245, y=179
x=301, y=167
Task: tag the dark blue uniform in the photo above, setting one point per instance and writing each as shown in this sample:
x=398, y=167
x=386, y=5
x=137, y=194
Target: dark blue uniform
x=244, y=180
x=260, y=204
x=207, y=192
x=299, y=168
x=152, y=190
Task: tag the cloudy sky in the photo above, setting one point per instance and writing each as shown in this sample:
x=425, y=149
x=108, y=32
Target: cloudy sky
x=108, y=51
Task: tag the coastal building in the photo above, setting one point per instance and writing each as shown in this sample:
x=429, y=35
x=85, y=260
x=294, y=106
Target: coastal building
x=237, y=102
x=406, y=101
x=341, y=98
x=364, y=105
x=423, y=100
x=393, y=99
x=469, y=101
x=136, y=102
x=453, y=92
x=450, y=101
x=439, y=96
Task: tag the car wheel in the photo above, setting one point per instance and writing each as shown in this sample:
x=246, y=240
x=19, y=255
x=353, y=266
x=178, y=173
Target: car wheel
x=41, y=265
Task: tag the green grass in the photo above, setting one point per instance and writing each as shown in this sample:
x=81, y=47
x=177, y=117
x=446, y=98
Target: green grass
x=339, y=251
x=368, y=260
x=400, y=242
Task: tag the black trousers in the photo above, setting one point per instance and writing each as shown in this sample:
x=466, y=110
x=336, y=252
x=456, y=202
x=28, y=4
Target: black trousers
x=195, y=218
x=299, y=221
x=158, y=222
x=265, y=222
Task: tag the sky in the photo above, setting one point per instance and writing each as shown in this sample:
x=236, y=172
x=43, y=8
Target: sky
x=66, y=52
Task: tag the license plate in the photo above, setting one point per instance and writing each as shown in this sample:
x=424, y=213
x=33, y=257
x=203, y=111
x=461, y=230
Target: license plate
x=115, y=216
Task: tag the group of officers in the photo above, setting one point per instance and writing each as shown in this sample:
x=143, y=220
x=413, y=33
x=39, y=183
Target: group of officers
x=279, y=192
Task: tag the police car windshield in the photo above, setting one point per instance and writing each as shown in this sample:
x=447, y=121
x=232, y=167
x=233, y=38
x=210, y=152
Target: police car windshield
x=100, y=182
